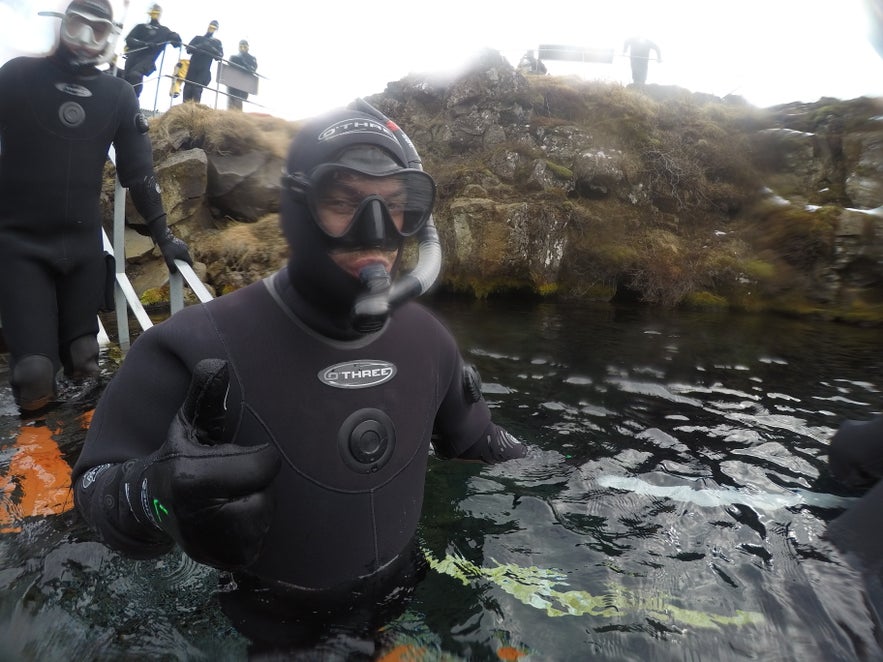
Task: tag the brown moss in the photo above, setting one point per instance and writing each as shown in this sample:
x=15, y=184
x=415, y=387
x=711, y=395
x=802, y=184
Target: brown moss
x=191, y=125
x=705, y=300
x=692, y=232
x=239, y=254
x=801, y=236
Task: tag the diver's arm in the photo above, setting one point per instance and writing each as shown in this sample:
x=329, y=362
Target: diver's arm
x=148, y=201
x=133, y=39
x=495, y=445
x=172, y=38
x=463, y=426
x=134, y=164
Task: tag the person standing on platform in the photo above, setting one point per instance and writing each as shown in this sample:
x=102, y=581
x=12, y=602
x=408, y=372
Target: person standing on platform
x=203, y=49
x=248, y=63
x=639, y=49
x=143, y=45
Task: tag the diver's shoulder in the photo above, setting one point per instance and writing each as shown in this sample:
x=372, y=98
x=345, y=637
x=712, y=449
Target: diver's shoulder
x=418, y=314
x=23, y=62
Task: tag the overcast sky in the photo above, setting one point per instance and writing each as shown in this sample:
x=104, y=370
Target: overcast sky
x=319, y=55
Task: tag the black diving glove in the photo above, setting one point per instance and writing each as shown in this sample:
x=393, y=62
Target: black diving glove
x=496, y=445
x=210, y=498
x=171, y=247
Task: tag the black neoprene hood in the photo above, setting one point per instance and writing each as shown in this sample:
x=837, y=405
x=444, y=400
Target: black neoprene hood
x=321, y=139
x=97, y=8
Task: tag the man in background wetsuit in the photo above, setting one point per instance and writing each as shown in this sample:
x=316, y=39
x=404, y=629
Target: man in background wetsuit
x=144, y=44
x=639, y=49
x=203, y=50
x=59, y=116
x=530, y=64
x=298, y=457
x=248, y=63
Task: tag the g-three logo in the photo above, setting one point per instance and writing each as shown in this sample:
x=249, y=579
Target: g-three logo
x=355, y=125
x=93, y=473
x=73, y=89
x=357, y=374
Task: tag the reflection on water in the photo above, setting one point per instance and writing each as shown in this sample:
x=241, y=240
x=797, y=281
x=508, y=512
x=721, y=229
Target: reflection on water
x=671, y=507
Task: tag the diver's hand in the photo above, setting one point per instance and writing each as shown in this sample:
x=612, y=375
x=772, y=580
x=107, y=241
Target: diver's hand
x=173, y=248
x=169, y=245
x=211, y=498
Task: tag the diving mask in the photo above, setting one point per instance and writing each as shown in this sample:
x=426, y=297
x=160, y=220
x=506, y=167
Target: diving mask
x=355, y=208
x=84, y=32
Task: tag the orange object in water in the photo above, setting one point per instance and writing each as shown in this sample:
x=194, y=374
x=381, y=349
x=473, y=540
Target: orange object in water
x=404, y=653
x=408, y=653
x=509, y=653
x=38, y=481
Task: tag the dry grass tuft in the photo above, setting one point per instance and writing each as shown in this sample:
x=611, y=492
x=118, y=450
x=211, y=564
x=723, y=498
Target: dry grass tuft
x=190, y=125
x=242, y=253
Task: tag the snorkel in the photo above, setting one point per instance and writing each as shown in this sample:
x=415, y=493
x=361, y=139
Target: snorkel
x=371, y=308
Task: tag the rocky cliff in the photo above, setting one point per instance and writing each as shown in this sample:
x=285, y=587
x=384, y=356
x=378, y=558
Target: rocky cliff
x=562, y=187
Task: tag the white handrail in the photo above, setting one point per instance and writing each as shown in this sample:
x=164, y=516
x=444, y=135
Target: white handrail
x=185, y=273
x=125, y=296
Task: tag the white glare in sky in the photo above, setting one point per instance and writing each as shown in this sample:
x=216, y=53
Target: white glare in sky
x=315, y=56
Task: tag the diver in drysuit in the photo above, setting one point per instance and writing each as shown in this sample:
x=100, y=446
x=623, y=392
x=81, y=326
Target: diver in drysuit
x=144, y=44
x=59, y=116
x=203, y=49
x=311, y=401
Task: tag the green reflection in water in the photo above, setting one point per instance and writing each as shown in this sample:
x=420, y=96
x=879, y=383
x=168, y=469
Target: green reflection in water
x=536, y=587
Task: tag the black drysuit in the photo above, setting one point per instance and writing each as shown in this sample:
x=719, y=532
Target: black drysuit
x=246, y=62
x=203, y=49
x=639, y=52
x=343, y=511
x=56, y=126
x=144, y=44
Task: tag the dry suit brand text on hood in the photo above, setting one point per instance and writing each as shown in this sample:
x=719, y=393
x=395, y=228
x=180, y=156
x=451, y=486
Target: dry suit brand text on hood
x=351, y=126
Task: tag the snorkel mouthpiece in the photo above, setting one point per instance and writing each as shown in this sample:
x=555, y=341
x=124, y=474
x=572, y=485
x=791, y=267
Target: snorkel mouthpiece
x=372, y=306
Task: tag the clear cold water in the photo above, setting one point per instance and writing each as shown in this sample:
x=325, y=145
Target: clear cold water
x=672, y=506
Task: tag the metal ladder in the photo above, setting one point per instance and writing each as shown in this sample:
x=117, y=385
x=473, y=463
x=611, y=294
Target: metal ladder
x=124, y=294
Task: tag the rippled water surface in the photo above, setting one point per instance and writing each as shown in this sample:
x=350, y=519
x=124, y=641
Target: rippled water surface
x=672, y=506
